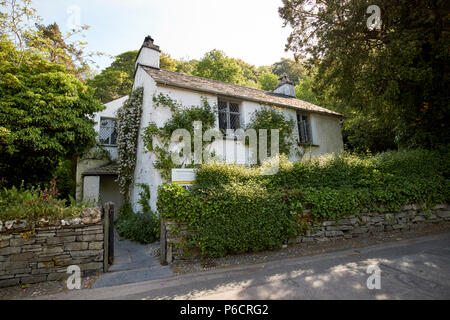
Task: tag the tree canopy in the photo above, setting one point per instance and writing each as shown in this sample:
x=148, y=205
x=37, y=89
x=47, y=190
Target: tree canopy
x=116, y=80
x=44, y=116
x=394, y=78
x=45, y=108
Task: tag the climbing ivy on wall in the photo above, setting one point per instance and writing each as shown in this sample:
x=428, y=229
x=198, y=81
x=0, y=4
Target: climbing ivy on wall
x=268, y=118
x=128, y=123
x=182, y=118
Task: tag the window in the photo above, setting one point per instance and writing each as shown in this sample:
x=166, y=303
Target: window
x=229, y=117
x=304, y=128
x=108, y=132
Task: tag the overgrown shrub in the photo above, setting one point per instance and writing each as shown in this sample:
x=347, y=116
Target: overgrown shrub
x=142, y=226
x=239, y=218
x=233, y=208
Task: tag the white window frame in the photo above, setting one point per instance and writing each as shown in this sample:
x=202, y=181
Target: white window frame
x=229, y=113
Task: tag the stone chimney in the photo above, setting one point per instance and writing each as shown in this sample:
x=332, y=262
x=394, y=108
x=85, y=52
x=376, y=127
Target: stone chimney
x=149, y=54
x=285, y=86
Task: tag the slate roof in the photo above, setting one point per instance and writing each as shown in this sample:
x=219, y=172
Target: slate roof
x=108, y=170
x=179, y=80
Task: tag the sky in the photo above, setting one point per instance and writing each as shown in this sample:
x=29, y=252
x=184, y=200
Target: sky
x=247, y=29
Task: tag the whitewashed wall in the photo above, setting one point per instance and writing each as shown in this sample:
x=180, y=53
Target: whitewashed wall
x=326, y=133
x=109, y=112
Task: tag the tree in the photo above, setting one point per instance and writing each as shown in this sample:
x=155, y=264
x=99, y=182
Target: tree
x=44, y=115
x=293, y=69
x=399, y=72
x=267, y=81
x=186, y=66
x=20, y=23
x=218, y=66
x=167, y=63
x=116, y=80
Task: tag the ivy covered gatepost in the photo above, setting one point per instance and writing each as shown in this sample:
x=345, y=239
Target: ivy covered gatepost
x=128, y=124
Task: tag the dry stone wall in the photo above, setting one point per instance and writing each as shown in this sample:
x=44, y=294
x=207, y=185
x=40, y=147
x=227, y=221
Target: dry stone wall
x=366, y=223
x=176, y=235
x=28, y=256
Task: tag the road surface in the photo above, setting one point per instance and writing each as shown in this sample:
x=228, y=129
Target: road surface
x=416, y=268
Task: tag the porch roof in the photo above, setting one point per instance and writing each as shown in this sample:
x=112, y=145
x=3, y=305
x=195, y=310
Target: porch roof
x=108, y=170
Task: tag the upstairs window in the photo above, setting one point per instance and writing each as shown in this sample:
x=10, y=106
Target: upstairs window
x=304, y=128
x=229, y=116
x=108, y=132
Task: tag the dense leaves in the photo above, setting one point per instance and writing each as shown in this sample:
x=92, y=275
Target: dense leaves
x=116, y=80
x=394, y=78
x=34, y=204
x=269, y=118
x=158, y=139
x=44, y=116
x=140, y=226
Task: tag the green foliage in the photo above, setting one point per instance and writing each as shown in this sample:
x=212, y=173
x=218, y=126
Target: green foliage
x=216, y=65
x=397, y=74
x=139, y=227
x=268, y=81
x=366, y=132
x=143, y=226
x=21, y=24
x=167, y=63
x=45, y=115
x=294, y=70
x=116, y=80
x=234, y=208
x=128, y=124
x=270, y=118
x=182, y=118
x=240, y=218
x=34, y=204
x=65, y=178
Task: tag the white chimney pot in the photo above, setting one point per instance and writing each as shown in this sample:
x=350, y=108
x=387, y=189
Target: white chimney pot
x=149, y=54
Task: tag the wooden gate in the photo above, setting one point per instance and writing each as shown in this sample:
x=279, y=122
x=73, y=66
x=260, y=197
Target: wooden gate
x=108, y=245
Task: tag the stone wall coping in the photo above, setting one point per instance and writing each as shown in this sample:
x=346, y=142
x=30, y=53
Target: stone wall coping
x=88, y=216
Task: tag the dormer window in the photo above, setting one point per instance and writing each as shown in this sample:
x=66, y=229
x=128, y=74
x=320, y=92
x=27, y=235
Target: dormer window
x=108, y=132
x=229, y=115
x=304, y=128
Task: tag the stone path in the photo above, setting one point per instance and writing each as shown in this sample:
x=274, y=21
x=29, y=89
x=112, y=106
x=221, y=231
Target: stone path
x=133, y=262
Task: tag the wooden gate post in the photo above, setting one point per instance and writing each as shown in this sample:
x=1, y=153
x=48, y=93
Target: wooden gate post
x=162, y=242
x=108, y=235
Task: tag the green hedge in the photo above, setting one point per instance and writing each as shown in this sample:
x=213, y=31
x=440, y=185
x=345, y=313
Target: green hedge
x=239, y=218
x=235, y=209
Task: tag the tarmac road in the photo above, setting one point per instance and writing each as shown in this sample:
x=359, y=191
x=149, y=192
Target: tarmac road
x=417, y=268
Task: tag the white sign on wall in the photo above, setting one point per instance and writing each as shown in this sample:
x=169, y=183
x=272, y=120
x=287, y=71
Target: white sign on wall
x=183, y=177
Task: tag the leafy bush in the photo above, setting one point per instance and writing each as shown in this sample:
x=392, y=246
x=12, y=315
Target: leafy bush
x=233, y=208
x=269, y=118
x=34, y=204
x=142, y=226
x=240, y=218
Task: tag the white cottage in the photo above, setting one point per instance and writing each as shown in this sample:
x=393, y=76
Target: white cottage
x=318, y=130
